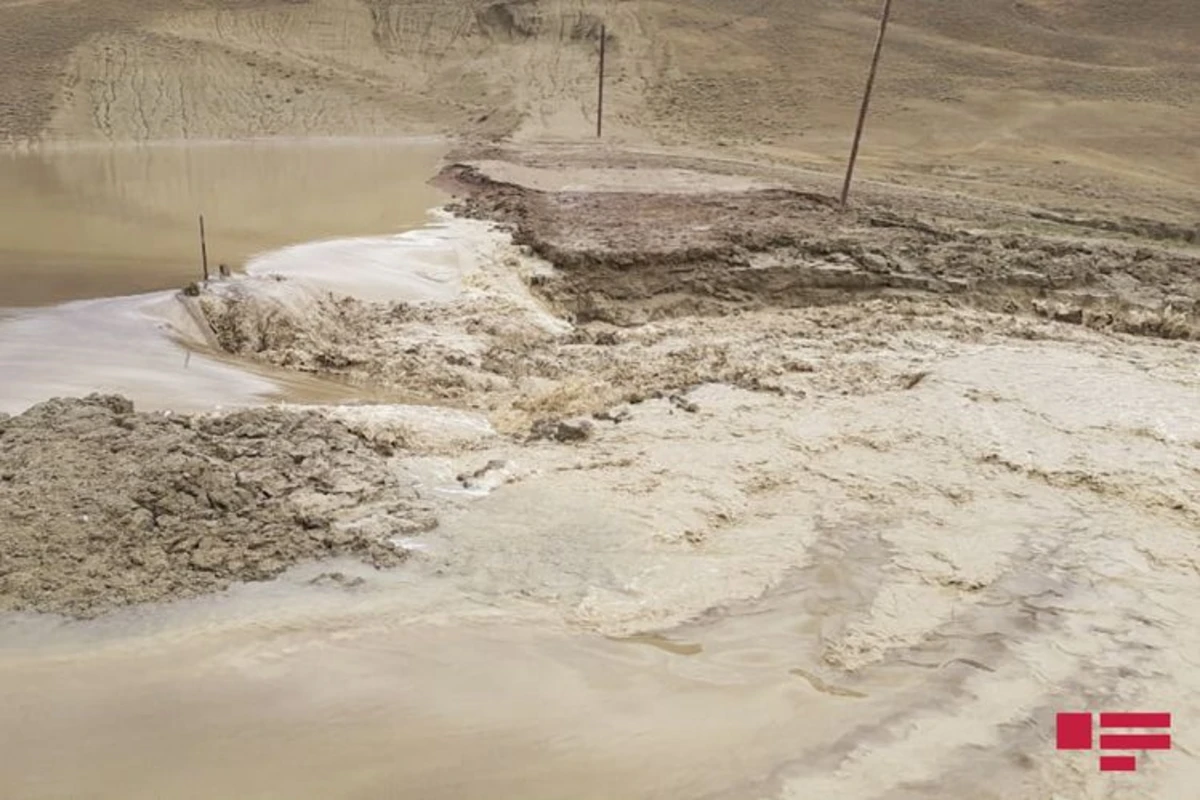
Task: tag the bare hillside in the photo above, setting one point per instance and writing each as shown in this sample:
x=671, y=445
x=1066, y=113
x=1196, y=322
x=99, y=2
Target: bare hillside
x=1060, y=93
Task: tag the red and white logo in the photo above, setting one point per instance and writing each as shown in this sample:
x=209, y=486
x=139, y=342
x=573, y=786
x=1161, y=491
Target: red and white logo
x=1074, y=731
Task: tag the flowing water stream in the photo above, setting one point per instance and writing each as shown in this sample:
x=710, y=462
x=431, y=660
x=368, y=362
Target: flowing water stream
x=285, y=690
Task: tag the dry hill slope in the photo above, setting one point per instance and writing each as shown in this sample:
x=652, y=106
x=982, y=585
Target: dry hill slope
x=992, y=90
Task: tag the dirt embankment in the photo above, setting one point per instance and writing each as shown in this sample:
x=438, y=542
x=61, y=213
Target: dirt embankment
x=626, y=257
x=103, y=506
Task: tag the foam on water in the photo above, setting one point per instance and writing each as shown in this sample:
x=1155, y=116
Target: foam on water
x=119, y=345
x=422, y=265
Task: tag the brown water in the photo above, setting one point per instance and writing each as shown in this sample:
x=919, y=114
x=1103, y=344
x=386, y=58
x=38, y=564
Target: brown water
x=106, y=221
x=409, y=688
x=353, y=700
x=104, y=227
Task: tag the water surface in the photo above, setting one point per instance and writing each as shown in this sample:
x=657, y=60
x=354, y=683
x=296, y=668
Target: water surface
x=104, y=221
x=95, y=241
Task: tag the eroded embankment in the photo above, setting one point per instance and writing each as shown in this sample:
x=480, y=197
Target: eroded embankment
x=626, y=257
x=611, y=296
x=498, y=351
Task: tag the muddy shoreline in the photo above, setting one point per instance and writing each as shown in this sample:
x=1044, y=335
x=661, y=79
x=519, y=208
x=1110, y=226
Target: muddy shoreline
x=104, y=506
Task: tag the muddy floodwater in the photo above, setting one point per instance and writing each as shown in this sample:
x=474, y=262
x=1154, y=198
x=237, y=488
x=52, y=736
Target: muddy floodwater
x=95, y=241
x=105, y=221
x=349, y=700
x=861, y=549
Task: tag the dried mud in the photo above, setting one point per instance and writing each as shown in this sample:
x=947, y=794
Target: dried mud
x=103, y=506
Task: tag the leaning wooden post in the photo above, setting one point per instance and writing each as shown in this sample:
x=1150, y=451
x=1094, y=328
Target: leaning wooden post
x=600, y=89
x=866, y=101
x=203, y=249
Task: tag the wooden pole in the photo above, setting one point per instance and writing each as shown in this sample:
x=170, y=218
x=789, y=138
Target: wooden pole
x=862, y=113
x=600, y=98
x=203, y=249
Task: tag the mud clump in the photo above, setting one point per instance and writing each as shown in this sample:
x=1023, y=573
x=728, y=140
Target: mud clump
x=303, y=331
x=102, y=506
x=566, y=431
